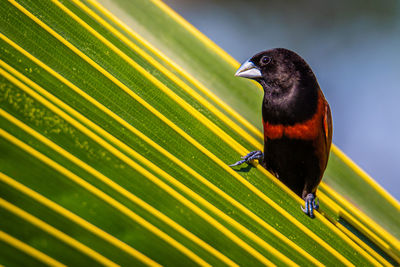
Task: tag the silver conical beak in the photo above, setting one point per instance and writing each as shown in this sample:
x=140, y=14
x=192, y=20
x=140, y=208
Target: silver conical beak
x=248, y=70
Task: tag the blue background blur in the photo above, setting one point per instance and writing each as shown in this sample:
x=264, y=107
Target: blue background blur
x=353, y=48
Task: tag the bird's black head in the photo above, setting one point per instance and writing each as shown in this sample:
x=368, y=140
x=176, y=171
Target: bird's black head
x=277, y=70
x=288, y=82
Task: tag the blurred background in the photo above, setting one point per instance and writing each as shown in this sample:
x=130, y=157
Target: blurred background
x=353, y=48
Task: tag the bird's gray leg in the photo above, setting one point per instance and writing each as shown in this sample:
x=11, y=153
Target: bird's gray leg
x=249, y=157
x=311, y=204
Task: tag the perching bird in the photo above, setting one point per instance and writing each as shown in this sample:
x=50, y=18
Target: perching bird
x=297, y=122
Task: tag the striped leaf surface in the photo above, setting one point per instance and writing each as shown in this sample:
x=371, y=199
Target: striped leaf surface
x=115, y=141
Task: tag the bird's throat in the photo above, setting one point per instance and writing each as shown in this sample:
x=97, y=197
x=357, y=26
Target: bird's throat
x=288, y=105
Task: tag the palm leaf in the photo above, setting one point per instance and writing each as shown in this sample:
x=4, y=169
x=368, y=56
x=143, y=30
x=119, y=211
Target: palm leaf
x=115, y=144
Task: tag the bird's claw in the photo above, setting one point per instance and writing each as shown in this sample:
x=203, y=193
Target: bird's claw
x=311, y=204
x=249, y=157
x=237, y=163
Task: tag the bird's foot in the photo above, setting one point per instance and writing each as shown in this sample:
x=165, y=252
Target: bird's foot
x=311, y=204
x=249, y=157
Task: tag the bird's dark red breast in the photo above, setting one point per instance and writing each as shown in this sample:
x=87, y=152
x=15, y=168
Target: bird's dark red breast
x=307, y=130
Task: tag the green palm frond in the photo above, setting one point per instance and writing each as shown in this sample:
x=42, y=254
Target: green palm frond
x=118, y=123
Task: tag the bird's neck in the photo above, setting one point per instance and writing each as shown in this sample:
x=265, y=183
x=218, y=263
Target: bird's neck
x=289, y=103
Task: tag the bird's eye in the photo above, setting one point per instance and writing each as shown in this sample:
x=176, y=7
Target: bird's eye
x=265, y=60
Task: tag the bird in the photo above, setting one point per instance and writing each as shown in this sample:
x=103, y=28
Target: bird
x=296, y=119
